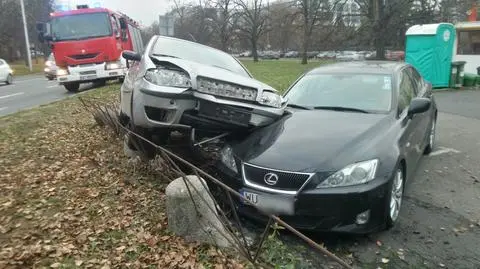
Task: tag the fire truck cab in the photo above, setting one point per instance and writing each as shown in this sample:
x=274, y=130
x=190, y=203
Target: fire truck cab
x=87, y=44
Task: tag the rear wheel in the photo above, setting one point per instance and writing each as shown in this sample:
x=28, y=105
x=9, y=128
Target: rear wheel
x=395, y=198
x=9, y=79
x=72, y=87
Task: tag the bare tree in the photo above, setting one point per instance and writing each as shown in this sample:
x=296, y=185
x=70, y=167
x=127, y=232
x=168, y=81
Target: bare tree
x=385, y=18
x=223, y=21
x=253, y=21
x=314, y=13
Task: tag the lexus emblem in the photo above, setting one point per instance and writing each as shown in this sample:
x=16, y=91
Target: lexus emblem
x=270, y=178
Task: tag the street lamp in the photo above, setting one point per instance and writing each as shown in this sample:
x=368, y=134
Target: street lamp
x=27, y=42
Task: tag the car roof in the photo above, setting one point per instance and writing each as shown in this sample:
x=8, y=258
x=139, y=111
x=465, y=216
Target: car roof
x=361, y=67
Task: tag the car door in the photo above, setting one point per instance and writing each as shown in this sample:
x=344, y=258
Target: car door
x=410, y=134
x=422, y=90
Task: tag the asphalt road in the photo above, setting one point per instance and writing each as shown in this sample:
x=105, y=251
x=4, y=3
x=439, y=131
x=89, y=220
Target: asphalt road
x=31, y=91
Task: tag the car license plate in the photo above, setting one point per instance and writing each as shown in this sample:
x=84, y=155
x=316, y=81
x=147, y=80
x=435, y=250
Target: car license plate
x=274, y=204
x=88, y=77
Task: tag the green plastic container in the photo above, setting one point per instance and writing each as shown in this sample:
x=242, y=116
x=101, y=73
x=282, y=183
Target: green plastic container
x=457, y=75
x=469, y=79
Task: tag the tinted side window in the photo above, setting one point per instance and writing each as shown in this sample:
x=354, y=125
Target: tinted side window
x=1, y=62
x=406, y=91
x=417, y=80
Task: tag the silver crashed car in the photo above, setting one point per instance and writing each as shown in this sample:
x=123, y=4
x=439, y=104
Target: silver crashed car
x=178, y=84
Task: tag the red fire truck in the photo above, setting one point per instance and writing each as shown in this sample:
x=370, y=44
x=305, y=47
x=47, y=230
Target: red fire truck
x=87, y=44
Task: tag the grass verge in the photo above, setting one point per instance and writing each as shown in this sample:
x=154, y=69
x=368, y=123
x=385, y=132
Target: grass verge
x=279, y=74
x=20, y=69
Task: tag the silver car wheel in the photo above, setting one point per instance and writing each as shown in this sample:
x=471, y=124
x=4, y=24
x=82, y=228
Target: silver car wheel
x=9, y=79
x=396, y=195
x=432, y=134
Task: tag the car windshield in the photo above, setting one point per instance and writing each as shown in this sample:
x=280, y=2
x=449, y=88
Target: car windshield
x=197, y=53
x=367, y=92
x=81, y=26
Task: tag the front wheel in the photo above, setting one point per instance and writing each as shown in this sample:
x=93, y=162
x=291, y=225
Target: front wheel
x=395, y=197
x=9, y=79
x=72, y=87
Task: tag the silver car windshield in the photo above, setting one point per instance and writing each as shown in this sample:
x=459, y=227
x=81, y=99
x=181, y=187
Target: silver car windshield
x=197, y=53
x=368, y=92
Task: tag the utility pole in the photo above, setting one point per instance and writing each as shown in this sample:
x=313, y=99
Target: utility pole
x=27, y=42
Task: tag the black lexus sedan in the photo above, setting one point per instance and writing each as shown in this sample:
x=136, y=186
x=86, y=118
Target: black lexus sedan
x=340, y=158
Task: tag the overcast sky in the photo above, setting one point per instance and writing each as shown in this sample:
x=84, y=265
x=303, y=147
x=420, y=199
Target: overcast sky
x=144, y=11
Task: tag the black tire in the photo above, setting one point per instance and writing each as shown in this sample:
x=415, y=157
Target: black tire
x=9, y=79
x=391, y=218
x=121, y=79
x=145, y=149
x=431, y=137
x=72, y=87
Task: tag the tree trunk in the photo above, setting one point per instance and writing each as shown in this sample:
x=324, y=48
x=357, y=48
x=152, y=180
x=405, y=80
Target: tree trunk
x=380, y=47
x=254, y=49
x=306, y=44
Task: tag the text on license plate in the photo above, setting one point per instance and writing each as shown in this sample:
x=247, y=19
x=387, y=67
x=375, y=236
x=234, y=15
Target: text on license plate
x=251, y=197
x=276, y=204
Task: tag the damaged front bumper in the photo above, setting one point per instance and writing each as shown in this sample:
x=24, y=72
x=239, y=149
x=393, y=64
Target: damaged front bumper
x=152, y=108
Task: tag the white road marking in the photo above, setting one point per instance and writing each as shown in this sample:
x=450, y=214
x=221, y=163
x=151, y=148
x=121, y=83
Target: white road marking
x=11, y=95
x=3, y=108
x=443, y=150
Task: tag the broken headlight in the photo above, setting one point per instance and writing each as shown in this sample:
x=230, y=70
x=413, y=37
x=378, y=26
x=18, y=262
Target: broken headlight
x=220, y=88
x=168, y=78
x=228, y=160
x=354, y=174
x=271, y=99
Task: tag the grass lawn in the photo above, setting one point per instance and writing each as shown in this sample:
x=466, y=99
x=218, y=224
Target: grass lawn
x=20, y=69
x=279, y=74
x=69, y=196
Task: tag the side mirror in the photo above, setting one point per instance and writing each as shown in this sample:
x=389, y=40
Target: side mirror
x=418, y=105
x=131, y=56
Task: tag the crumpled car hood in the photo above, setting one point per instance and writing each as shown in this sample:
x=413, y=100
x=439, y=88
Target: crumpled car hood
x=197, y=69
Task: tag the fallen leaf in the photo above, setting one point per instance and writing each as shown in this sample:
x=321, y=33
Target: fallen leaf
x=385, y=260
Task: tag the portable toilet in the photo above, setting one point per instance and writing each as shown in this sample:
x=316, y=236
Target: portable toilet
x=429, y=48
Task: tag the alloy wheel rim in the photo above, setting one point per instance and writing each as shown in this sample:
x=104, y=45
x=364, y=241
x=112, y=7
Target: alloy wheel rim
x=396, y=195
x=432, y=134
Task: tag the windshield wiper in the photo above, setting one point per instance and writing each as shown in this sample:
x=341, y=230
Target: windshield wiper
x=341, y=108
x=299, y=106
x=164, y=55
